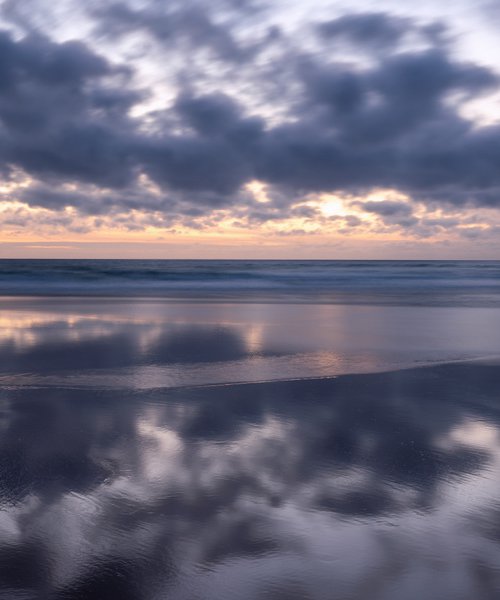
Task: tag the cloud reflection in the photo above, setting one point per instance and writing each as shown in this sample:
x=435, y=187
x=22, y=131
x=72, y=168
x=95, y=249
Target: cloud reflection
x=289, y=485
x=148, y=343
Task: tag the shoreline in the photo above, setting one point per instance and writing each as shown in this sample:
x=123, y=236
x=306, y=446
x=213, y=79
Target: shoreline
x=486, y=362
x=432, y=300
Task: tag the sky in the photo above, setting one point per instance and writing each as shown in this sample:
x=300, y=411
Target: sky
x=250, y=129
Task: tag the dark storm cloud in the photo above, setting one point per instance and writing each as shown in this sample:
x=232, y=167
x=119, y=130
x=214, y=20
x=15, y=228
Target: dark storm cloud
x=173, y=22
x=385, y=208
x=209, y=115
x=374, y=29
x=57, y=64
x=215, y=158
x=388, y=126
x=58, y=116
x=65, y=114
x=392, y=212
x=88, y=200
x=192, y=164
x=394, y=98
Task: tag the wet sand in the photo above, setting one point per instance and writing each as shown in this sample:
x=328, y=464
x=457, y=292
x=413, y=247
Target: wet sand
x=364, y=486
x=134, y=466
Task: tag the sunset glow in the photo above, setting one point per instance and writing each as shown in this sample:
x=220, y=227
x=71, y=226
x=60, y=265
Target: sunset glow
x=327, y=133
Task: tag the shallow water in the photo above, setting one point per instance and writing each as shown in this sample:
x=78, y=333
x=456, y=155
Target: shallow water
x=145, y=343
x=134, y=466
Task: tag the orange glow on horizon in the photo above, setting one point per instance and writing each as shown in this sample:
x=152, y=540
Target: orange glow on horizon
x=325, y=223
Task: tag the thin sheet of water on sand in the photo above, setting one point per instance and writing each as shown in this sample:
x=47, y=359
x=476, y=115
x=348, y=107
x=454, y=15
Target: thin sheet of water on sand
x=117, y=482
x=146, y=344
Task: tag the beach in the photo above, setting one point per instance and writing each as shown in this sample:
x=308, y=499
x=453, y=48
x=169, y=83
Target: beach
x=278, y=445
x=249, y=300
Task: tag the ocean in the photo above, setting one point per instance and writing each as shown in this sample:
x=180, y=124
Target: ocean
x=212, y=430
x=364, y=282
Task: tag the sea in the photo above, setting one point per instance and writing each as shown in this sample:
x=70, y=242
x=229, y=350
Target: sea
x=354, y=281
x=238, y=430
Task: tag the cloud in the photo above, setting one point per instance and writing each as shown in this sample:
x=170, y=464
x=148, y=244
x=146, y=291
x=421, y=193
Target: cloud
x=192, y=23
x=60, y=117
x=386, y=208
x=76, y=122
x=366, y=29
